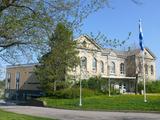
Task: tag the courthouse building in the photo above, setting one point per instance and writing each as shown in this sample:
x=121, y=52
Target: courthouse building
x=123, y=68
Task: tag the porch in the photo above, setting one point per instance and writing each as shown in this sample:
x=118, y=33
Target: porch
x=124, y=84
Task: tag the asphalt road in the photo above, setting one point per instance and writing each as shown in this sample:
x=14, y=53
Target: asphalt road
x=80, y=115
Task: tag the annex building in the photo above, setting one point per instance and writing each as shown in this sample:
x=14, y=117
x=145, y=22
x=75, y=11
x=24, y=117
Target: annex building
x=123, y=68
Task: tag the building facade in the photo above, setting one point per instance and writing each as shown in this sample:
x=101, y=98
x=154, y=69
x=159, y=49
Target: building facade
x=21, y=82
x=122, y=68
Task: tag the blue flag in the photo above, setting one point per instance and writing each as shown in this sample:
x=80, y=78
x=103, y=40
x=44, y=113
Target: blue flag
x=140, y=36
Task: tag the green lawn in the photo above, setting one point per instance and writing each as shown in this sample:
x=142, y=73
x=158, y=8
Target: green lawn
x=121, y=102
x=12, y=116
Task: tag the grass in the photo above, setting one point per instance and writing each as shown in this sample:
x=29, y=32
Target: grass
x=13, y=116
x=115, y=103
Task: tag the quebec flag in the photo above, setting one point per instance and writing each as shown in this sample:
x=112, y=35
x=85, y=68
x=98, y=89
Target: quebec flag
x=140, y=36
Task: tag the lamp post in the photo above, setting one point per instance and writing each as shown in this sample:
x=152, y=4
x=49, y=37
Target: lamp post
x=80, y=94
x=109, y=87
x=80, y=88
x=109, y=80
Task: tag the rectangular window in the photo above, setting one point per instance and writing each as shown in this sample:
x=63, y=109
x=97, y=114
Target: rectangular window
x=112, y=68
x=30, y=74
x=94, y=64
x=146, y=69
x=152, y=72
x=17, y=80
x=8, y=79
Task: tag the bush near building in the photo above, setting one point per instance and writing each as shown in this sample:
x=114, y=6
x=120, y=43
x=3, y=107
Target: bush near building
x=70, y=93
x=151, y=87
x=99, y=85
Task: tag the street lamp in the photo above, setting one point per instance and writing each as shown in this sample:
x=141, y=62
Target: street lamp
x=80, y=94
x=80, y=87
x=109, y=91
x=109, y=81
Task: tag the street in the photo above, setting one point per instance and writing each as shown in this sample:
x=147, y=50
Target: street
x=79, y=115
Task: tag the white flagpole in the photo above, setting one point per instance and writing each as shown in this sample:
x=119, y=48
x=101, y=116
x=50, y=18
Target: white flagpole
x=144, y=79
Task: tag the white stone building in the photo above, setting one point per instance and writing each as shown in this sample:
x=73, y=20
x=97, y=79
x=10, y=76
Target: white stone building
x=122, y=67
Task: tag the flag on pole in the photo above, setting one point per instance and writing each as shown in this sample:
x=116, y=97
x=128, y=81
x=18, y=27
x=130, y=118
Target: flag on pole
x=140, y=36
x=142, y=49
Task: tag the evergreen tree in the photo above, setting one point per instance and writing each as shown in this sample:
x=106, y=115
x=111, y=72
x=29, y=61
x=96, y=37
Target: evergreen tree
x=62, y=57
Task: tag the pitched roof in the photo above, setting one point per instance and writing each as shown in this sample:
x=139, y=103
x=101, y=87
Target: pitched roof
x=150, y=52
x=119, y=53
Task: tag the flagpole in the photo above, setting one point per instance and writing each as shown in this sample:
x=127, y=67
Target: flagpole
x=142, y=48
x=144, y=79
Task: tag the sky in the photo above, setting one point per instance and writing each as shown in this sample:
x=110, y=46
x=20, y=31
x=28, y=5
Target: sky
x=122, y=17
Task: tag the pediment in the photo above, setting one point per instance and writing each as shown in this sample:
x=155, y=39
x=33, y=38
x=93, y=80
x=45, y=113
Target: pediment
x=87, y=43
x=148, y=54
x=113, y=54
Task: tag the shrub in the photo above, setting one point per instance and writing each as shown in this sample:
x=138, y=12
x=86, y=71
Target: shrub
x=98, y=85
x=151, y=87
x=72, y=93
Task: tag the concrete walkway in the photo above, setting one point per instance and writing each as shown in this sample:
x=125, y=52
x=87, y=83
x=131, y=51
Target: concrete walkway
x=79, y=115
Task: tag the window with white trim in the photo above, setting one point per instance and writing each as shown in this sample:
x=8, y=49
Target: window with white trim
x=8, y=80
x=152, y=70
x=84, y=62
x=17, y=80
x=94, y=64
x=122, y=70
x=112, y=68
x=146, y=69
x=102, y=66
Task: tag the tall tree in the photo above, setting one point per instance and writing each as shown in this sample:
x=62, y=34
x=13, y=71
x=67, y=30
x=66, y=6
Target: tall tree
x=26, y=25
x=55, y=65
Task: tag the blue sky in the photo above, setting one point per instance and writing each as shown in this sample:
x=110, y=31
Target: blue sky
x=122, y=18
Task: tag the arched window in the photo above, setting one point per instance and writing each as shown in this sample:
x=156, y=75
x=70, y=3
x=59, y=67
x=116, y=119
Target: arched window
x=146, y=68
x=112, y=68
x=152, y=71
x=122, y=68
x=94, y=64
x=84, y=62
x=102, y=66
